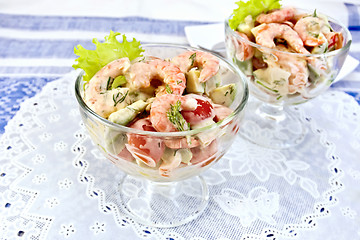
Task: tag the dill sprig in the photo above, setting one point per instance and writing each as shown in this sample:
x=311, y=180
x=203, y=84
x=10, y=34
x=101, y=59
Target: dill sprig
x=108, y=84
x=119, y=98
x=192, y=58
x=168, y=89
x=176, y=118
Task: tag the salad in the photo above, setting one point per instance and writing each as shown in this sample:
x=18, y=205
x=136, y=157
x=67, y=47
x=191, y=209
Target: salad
x=151, y=94
x=282, y=50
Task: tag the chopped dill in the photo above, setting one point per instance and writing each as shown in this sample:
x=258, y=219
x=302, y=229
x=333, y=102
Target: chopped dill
x=314, y=14
x=231, y=89
x=176, y=118
x=119, y=98
x=168, y=89
x=108, y=84
x=273, y=90
x=192, y=58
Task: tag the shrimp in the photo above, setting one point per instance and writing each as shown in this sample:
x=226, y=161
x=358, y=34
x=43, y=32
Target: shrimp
x=157, y=72
x=265, y=34
x=165, y=113
x=296, y=66
x=243, y=50
x=165, y=116
x=277, y=16
x=206, y=62
x=311, y=31
x=97, y=94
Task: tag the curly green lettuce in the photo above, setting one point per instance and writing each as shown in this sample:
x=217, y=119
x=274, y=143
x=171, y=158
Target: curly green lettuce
x=253, y=8
x=91, y=61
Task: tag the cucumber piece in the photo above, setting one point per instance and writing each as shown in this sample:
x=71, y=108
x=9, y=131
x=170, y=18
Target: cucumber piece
x=246, y=25
x=245, y=66
x=126, y=115
x=274, y=79
x=114, y=141
x=118, y=81
x=193, y=85
x=182, y=155
x=223, y=95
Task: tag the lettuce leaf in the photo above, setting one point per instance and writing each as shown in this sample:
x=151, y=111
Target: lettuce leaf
x=91, y=61
x=253, y=8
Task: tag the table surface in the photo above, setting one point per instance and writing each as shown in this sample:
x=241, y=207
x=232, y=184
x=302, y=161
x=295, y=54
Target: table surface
x=48, y=190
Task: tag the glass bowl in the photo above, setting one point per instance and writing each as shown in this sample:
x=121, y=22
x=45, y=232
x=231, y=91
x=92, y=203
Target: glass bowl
x=280, y=77
x=166, y=193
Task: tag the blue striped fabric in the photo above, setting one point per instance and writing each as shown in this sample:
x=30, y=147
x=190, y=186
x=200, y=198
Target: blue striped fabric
x=349, y=85
x=29, y=48
x=13, y=91
x=20, y=82
x=354, y=17
x=97, y=24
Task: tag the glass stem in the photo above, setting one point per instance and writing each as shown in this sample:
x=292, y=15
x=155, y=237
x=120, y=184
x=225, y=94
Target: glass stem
x=271, y=111
x=166, y=188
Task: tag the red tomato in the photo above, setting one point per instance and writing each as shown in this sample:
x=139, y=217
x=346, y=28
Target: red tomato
x=203, y=111
x=335, y=40
x=147, y=149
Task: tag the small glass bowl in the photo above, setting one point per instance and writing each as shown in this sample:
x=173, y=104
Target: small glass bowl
x=319, y=80
x=268, y=73
x=112, y=139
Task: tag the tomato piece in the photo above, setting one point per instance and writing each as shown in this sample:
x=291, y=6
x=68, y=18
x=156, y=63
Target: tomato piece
x=335, y=40
x=203, y=111
x=147, y=149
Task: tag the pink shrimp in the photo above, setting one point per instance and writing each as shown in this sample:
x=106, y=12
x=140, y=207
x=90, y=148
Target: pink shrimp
x=157, y=72
x=277, y=16
x=97, y=94
x=310, y=30
x=206, y=62
x=202, y=111
x=161, y=109
x=243, y=50
x=265, y=34
x=296, y=66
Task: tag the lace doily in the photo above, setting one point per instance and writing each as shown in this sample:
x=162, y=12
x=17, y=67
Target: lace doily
x=55, y=184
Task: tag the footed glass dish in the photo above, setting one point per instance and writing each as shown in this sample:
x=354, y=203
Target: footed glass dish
x=287, y=62
x=169, y=205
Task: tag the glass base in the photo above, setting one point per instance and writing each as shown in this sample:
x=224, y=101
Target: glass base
x=163, y=204
x=272, y=126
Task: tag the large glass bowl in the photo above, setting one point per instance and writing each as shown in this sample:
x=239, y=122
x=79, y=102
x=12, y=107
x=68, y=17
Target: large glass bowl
x=311, y=74
x=169, y=198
